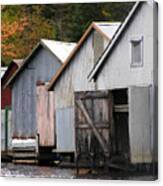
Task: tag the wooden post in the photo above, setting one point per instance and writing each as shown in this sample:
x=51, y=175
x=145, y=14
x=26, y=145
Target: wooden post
x=6, y=129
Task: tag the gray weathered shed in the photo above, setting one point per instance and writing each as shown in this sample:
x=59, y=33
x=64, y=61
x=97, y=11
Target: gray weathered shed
x=6, y=73
x=41, y=64
x=72, y=76
x=130, y=63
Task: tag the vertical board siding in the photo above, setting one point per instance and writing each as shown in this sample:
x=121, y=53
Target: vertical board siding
x=5, y=139
x=5, y=97
x=9, y=130
x=24, y=106
x=41, y=67
x=45, y=116
x=154, y=92
x=73, y=79
x=102, y=106
x=140, y=125
x=65, y=129
x=45, y=65
x=2, y=130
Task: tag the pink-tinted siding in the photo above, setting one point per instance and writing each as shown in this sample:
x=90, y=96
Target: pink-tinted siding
x=45, y=116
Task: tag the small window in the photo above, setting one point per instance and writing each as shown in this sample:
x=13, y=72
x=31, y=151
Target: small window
x=136, y=52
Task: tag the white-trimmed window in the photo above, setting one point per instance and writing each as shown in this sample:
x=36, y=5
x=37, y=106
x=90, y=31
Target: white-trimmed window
x=136, y=51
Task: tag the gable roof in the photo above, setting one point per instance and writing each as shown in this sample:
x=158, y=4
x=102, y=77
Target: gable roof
x=58, y=48
x=7, y=72
x=3, y=70
x=106, y=29
x=18, y=62
x=110, y=46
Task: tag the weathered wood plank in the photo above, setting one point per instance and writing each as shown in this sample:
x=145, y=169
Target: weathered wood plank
x=121, y=108
x=140, y=124
x=86, y=126
x=41, y=67
x=91, y=94
x=94, y=129
x=45, y=116
x=24, y=161
x=65, y=129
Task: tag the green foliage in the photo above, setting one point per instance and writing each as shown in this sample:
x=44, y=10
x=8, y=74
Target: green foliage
x=65, y=22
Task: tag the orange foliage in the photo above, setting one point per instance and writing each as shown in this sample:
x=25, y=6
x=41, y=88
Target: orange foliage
x=8, y=30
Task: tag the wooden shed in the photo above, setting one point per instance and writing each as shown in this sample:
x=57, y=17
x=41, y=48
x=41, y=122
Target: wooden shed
x=6, y=91
x=29, y=93
x=128, y=70
x=6, y=98
x=72, y=77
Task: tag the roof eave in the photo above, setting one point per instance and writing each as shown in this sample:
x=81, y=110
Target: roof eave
x=5, y=74
x=39, y=44
x=46, y=47
x=72, y=54
x=95, y=69
x=13, y=62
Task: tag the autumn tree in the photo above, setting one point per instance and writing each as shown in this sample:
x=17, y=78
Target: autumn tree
x=22, y=28
x=8, y=32
x=24, y=25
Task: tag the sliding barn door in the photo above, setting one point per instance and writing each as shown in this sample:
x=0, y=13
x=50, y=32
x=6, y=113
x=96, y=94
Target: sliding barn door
x=140, y=124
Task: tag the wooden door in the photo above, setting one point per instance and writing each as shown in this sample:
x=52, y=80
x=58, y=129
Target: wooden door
x=93, y=118
x=140, y=124
x=45, y=116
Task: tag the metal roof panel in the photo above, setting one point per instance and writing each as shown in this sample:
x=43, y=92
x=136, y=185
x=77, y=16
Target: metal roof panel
x=109, y=28
x=59, y=48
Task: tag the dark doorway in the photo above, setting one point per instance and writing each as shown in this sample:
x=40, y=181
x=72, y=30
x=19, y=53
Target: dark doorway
x=120, y=131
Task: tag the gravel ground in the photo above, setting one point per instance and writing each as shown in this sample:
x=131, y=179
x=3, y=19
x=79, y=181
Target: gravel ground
x=18, y=170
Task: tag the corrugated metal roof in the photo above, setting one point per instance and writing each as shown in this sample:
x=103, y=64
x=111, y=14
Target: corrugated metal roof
x=59, y=48
x=109, y=28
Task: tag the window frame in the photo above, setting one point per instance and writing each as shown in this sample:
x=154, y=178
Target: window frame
x=136, y=63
